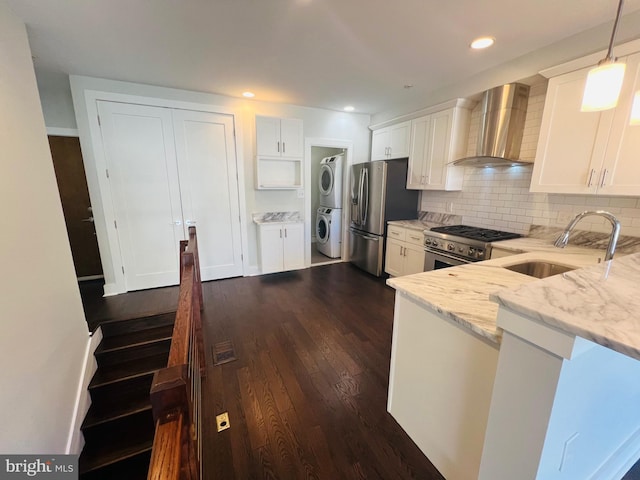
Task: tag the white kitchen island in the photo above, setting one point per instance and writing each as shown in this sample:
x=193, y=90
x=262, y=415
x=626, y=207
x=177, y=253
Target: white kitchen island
x=566, y=400
x=446, y=346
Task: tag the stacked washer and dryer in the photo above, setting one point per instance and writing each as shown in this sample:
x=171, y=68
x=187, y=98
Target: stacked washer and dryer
x=329, y=215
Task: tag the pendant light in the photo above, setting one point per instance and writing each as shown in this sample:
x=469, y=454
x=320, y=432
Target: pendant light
x=604, y=81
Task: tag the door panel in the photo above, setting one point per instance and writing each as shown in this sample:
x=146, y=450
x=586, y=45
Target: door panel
x=375, y=182
x=365, y=251
x=140, y=157
x=74, y=195
x=206, y=157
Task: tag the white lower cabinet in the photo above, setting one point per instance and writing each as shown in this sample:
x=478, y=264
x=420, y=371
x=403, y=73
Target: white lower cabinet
x=497, y=252
x=281, y=246
x=405, y=251
x=440, y=387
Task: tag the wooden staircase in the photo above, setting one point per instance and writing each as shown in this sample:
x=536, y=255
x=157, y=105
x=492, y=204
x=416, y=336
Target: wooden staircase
x=119, y=427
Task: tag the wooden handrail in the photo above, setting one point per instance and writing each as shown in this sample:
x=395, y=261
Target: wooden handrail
x=176, y=390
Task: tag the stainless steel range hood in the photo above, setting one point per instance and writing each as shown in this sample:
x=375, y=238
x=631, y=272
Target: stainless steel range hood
x=504, y=110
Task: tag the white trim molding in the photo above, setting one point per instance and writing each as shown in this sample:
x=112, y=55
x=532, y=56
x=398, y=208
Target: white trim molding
x=63, y=132
x=75, y=440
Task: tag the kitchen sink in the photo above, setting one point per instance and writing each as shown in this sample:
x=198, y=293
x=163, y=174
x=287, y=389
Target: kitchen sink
x=539, y=269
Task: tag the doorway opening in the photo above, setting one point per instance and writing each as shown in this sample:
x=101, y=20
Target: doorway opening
x=328, y=161
x=76, y=206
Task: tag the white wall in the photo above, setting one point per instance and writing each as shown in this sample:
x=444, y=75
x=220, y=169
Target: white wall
x=318, y=123
x=499, y=197
x=44, y=335
x=55, y=98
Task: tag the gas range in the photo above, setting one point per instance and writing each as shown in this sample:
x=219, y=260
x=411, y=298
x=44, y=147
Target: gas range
x=469, y=244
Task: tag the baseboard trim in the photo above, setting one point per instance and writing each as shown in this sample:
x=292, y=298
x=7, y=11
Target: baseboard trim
x=90, y=277
x=83, y=400
x=111, y=289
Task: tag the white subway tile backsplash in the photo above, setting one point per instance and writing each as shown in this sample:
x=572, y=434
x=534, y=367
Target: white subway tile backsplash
x=499, y=197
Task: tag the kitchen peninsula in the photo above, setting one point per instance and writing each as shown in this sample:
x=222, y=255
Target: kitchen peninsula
x=464, y=367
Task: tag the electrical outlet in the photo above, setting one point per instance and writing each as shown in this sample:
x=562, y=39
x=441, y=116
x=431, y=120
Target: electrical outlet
x=300, y=193
x=450, y=207
x=568, y=452
x=222, y=421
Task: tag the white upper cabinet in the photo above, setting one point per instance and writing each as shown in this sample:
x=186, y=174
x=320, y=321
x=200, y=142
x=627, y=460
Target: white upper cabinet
x=588, y=152
x=280, y=150
x=437, y=140
x=279, y=137
x=391, y=142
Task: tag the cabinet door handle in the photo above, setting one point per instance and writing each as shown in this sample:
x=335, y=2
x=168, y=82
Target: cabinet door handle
x=285, y=233
x=284, y=149
x=604, y=177
x=278, y=146
x=280, y=233
x=589, y=182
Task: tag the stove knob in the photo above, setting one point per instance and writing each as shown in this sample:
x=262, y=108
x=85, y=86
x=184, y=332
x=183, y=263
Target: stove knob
x=460, y=249
x=451, y=247
x=427, y=241
x=472, y=251
x=480, y=253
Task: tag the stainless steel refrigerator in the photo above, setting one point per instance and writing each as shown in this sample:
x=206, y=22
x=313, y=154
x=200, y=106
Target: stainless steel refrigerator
x=378, y=194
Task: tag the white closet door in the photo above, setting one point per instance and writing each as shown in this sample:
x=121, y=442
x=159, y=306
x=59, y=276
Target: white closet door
x=140, y=157
x=206, y=155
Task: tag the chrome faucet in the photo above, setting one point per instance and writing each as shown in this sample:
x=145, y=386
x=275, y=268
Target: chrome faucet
x=563, y=239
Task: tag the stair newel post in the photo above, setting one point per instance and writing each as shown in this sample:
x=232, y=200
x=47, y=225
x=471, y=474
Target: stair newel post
x=193, y=241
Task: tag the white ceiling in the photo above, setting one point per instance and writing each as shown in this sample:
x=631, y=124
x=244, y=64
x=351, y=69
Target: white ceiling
x=321, y=53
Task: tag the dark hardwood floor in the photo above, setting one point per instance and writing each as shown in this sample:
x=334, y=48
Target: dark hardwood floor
x=307, y=394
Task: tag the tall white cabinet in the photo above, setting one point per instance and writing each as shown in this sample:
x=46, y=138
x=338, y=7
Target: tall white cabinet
x=438, y=139
x=167, y=169
x=588, y=153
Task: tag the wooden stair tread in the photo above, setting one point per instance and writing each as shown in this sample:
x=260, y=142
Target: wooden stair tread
x=98, y=415
x=140, y=322
x=128, y=340
x=101, y=455
x=130, y=369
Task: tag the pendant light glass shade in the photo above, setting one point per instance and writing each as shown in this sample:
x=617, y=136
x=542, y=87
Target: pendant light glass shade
x=603, y=86
x=635, y=110
x=604, y=82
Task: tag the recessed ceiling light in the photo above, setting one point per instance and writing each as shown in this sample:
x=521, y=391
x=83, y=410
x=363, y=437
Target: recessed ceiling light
x=248, y=94
x=349, y=108
x=482, y=42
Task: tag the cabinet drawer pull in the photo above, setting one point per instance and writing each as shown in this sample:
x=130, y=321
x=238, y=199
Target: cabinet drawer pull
x=415, y=238
x=593, y=171
x=604, y=177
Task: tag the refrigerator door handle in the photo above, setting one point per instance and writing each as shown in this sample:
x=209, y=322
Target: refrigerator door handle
x=365, y=236
x=365, y=196
x=360, y=196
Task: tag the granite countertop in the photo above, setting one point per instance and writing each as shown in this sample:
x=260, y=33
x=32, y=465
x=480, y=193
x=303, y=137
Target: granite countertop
x=463, y=294
x=277, y=217
x=599, y=303
x=418, y=225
